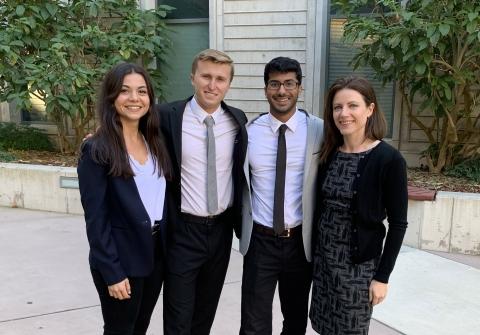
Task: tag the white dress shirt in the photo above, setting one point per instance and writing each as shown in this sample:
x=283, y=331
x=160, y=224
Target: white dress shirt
x=150, y=186
x=194, y=159
x=262, y=155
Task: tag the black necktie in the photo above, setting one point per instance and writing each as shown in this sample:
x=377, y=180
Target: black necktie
x=279, y=195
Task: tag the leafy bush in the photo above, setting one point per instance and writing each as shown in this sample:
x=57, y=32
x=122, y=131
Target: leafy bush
x=431, y=49
x=6, y=156
x=467, y=169
x=59, y=51
x=23, y=137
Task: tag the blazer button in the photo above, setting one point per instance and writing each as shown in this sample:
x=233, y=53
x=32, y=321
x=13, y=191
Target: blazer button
x=356, y=248
x=358, y=174
x=354, y=192
x=354, y=230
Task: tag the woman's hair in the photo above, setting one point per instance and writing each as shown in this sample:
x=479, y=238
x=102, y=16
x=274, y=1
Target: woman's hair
x=375, y=128
x=108, y=145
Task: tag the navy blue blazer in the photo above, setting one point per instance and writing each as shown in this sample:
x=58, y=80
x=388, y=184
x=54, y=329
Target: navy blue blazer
x=118, y=225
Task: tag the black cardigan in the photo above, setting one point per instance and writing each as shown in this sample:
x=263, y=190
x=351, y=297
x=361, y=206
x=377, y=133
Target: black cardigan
x=379, y=192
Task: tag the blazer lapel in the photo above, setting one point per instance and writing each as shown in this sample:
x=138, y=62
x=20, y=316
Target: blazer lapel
x=176, y=128
x=311, y=133
x=240, y=119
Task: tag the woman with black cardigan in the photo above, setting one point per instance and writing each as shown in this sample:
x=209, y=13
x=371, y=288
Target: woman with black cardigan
x=362, y=180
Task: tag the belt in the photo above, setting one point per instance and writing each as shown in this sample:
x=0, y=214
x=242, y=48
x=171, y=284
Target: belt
x=209, y=220
x=289, y=232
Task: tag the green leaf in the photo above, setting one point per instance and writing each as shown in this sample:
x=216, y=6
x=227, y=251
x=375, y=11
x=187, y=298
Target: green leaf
x=422, y=45
x=434, y=38
x=431, y=30
x=395, y=41
x=425, y=3
x=93, y=12
x=472, y=16
x=471, y=27
x=51, y=9
x=17, y=43
x=125, y=54
x=44, y=13
x=444, y=29
x=407, y=15
x=405, y=44
x=448, y=93
x=20, y=10
x=5, y=48
x=420, y=68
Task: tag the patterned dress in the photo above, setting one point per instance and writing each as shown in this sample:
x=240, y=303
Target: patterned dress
x=340, y=288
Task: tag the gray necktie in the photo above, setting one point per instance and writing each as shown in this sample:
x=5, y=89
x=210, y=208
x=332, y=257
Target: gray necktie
x=212, y=201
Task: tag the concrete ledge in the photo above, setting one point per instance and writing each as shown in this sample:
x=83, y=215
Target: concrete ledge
x=38, y=187
x=450, y=223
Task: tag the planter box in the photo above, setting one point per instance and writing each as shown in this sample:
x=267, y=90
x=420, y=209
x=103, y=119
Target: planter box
x=450, y=223
x=47, y=188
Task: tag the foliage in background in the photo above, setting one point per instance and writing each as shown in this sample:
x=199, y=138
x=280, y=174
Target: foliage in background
x=23, y=137
x=467, y=169
x=431, y=48
x=6, y=156
x=60, y=50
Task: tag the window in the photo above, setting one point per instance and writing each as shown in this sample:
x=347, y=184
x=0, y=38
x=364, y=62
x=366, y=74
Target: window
x=190, y=35
x=340, y=55
x=37, y=113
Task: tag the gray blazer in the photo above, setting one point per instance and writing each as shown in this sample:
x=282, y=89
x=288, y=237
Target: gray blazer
x=314, y=141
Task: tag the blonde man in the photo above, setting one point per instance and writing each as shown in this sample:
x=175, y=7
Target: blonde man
x=202, y=208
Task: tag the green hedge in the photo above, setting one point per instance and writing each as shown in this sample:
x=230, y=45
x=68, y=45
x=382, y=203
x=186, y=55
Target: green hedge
x=469, y=169
x=23, y=137
x=6, y=156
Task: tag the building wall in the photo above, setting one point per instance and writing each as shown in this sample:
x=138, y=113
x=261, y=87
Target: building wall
x=4, y=112
x=253, y=32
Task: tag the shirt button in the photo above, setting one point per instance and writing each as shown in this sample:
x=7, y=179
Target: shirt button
x=354, y=230
x=356, y=248
x=354, y=192
x=358, y=174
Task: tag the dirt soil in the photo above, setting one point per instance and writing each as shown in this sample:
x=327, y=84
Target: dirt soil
x=416, y=177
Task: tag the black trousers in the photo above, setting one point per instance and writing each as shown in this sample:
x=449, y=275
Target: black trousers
x=197, y=258
x=132, y=316
x=270, y=260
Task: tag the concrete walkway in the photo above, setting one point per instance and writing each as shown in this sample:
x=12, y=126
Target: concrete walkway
x=46, y=286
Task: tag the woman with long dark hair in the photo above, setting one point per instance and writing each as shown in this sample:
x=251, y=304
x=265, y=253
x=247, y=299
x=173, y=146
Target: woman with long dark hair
x=362, y=180
x=122, y=170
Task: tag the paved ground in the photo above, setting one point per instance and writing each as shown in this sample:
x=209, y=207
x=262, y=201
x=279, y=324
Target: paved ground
x=46, y=286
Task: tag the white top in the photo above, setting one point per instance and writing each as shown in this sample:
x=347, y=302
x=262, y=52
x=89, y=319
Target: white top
x=150, y=186
x=262, y=155
x=194, y=159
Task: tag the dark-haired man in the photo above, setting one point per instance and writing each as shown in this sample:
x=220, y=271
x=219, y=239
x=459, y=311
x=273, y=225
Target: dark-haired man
x=283, y=148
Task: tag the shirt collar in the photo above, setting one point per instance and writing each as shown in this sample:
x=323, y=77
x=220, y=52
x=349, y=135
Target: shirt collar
x=200, y=113
x=292, y=123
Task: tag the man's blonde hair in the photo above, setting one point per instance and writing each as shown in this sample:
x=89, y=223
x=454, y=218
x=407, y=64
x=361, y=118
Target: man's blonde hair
x=215, y=56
